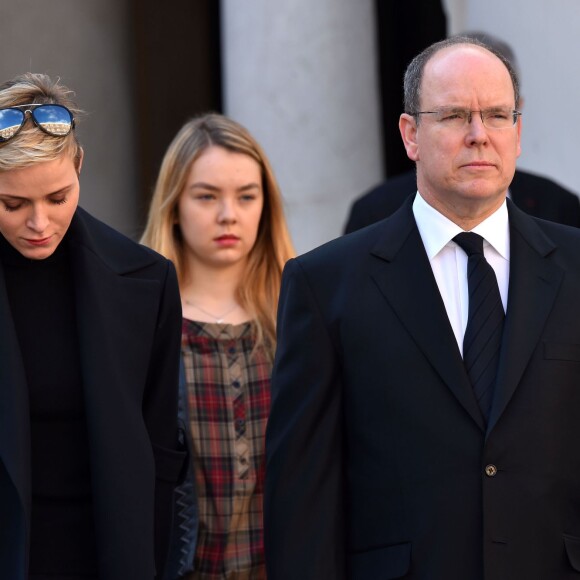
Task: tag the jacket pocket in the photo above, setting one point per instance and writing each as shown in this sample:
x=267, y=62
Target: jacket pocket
x=573, y=550
x=170, y=464
x=562, y=351
x=385, y=563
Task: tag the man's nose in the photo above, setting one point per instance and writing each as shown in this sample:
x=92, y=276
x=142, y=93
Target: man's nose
x=476, y=130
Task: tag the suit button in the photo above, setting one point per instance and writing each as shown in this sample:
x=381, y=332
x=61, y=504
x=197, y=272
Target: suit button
x=490, y=470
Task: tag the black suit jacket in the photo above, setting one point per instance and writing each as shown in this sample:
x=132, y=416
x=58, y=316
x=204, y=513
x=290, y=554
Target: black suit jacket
x=536, y=195
x=376, y=448
x=129, y=321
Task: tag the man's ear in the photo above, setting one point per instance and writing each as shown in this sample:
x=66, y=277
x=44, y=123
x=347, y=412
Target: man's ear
x=408, y=129
x=519, y=130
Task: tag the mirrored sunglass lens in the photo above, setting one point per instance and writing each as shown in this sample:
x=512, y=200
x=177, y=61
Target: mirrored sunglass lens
x=10, y=123
x=53, y=119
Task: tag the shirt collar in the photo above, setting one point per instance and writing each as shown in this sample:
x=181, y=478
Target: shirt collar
x=437, y=231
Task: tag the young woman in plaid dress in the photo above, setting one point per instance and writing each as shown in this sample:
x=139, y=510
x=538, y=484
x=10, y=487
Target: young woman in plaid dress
x=217, y=214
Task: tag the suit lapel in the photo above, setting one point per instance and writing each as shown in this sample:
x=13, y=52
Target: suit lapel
x=110, y=304
x=14, y=444
x=109, y=300
x=14, y=414
x=404, y=276
x=533, y=287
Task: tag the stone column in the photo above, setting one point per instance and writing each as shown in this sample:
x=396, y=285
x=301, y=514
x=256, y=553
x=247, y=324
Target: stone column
x=302, y=77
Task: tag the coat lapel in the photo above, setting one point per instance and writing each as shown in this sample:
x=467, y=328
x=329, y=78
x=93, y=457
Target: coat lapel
x=110, y=304
x=14, y=446
x=109, y=301
x=404, y=276
x=533, y=287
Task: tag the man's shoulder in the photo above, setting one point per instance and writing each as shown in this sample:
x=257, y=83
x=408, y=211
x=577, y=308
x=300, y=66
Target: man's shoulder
x=349, y=251
x=342, y=250
x=547, y=236
x=558, y=232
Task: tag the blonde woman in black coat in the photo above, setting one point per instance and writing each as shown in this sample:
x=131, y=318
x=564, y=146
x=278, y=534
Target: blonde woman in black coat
x=89, y=358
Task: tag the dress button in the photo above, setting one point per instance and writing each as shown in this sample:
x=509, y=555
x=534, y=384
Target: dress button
x=236, y=384
x=232, y=350
x=490, y=470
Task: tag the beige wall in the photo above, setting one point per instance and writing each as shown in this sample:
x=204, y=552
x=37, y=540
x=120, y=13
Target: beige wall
x=86, y=44
x=302, y=76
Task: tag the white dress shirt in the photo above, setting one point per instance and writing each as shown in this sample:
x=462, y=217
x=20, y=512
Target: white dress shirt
x=449, y=261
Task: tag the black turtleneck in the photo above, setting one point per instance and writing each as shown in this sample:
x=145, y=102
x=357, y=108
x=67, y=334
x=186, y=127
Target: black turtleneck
x=41, y=296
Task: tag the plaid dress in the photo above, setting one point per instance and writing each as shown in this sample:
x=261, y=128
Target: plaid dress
x=229, y=401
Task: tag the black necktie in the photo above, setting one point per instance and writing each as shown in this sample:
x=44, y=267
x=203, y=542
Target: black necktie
x=482, y=339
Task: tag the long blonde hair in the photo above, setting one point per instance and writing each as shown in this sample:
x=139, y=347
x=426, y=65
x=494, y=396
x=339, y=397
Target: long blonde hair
x=258, y=294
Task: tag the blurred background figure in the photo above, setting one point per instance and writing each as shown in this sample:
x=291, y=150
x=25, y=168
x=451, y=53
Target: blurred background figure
x=217, y=214
x=536, y=195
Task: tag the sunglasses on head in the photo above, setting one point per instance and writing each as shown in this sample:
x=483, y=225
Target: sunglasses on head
x=54, y=120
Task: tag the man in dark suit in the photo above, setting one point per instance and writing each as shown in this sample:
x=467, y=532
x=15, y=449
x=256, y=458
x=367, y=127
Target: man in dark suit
x=536, y=195
x=388, y=455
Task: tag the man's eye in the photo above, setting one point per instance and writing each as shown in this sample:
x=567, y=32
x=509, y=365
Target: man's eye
x=452, y=116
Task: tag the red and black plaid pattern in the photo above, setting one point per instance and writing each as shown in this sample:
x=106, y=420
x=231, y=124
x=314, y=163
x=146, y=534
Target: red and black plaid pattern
x=229, y=402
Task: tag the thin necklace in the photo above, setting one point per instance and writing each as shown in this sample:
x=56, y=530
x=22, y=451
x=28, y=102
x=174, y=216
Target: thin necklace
x=218, y=319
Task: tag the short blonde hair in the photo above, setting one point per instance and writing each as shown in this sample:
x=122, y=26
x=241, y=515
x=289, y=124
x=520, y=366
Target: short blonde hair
x=259, y=292
x=32, y=145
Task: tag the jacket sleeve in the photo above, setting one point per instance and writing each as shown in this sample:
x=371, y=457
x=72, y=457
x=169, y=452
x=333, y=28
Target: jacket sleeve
x=160, y=412
x=185, y=509
x=304, y=507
